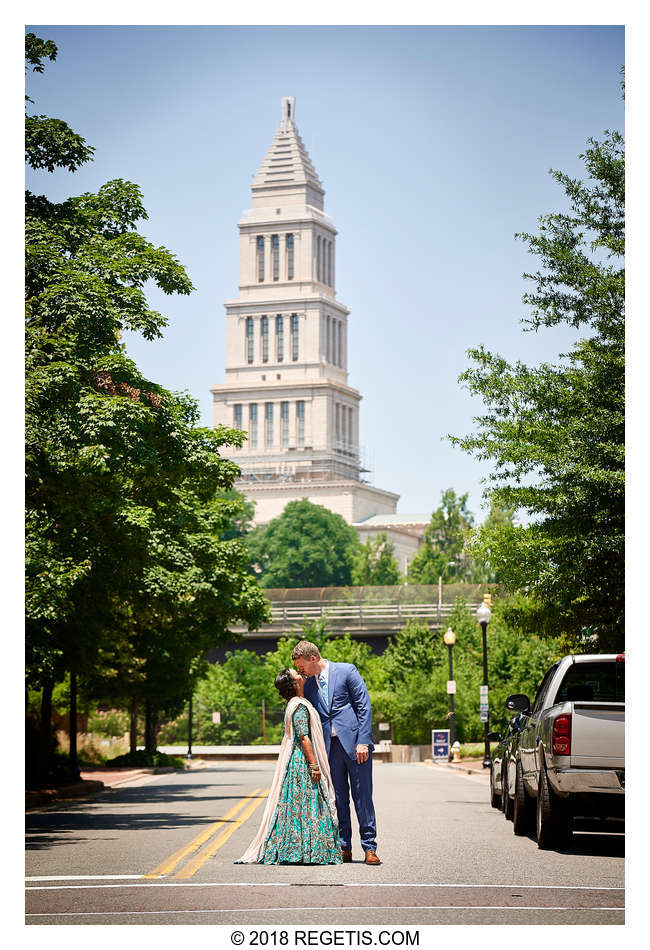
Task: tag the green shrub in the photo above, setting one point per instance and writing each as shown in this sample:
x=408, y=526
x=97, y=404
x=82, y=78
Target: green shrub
x=146, y=760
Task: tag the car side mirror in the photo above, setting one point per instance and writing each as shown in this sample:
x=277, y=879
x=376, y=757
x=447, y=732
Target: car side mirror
x=519, y=702
x=493, y=737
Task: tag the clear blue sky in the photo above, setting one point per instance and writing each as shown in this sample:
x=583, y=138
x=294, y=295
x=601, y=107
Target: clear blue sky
x=433, y=145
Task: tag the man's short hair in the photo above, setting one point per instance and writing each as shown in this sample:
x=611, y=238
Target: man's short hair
x=303, y=649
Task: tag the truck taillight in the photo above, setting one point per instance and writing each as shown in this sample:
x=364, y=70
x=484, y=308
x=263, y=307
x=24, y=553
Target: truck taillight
x=620, y=658
x=562, y=735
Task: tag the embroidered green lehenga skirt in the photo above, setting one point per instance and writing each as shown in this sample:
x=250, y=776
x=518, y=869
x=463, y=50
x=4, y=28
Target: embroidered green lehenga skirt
x=302, y=831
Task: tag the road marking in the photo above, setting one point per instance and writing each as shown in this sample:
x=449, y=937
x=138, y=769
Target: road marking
x=193, y=866
x=513, y=887
x=355, y=907
x=86, y=877
x=170, y=863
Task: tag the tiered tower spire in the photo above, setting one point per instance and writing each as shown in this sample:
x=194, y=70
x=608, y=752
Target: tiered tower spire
x=286, y=345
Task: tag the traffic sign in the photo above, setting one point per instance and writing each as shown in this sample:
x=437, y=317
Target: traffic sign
x=483, y=692
x=484, y=715
x=451, y=686
x=440, y=744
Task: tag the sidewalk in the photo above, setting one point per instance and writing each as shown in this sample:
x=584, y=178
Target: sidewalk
x=93, y=782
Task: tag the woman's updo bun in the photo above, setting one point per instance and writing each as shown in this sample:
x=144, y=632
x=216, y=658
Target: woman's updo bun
x=285, y=684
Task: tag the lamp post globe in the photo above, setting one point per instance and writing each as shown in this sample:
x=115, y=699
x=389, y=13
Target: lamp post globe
x=449, y=637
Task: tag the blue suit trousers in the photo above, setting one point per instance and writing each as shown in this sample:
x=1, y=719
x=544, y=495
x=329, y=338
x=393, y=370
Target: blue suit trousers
x=348, y=776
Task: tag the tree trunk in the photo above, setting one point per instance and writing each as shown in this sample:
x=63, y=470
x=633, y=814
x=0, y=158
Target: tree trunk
x=149, y=729
x=45, y=751
x=73, y=722
x=133, y=731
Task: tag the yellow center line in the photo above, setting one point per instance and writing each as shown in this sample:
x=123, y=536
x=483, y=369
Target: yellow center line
x=170, y=863
x=193, y=866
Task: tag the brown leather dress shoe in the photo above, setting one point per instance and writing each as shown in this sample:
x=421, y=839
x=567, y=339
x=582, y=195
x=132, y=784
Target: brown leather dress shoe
x=371, y=858
x=347, y=856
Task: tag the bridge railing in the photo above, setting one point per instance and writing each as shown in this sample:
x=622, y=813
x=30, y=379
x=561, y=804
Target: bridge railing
x=361, y=613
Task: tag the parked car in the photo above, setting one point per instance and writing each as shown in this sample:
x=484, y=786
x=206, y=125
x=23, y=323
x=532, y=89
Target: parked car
x=568, y=759
x=499, y=763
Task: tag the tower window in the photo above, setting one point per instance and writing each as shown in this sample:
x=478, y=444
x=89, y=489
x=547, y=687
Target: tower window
x=284, y=417
x=328, y=343
x=338, y=425
x=279, y=337
x=329, y=263
x=252, y=424
x=289, y=256
x=300, y=422
x=275, y=251
x=249, y=339
x=294, y=336
x=340, y=345
x=237, y=419
x=260, y=258
x=268, y=424
x=265, y=339
x=318, y=270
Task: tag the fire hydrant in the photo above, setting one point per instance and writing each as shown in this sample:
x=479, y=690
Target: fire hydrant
x=455, y=751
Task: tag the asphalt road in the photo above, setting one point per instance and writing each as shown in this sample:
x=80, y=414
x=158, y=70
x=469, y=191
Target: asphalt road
x=161, y=851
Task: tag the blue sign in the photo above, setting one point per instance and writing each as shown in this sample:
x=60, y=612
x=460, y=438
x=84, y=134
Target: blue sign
x=440, y=743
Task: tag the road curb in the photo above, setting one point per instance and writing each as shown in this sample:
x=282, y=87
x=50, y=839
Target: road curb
x=464, y=770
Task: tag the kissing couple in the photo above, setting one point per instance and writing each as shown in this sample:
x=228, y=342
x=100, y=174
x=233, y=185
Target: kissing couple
x=326, y=754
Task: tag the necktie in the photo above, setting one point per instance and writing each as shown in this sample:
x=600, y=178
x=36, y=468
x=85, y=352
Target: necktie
x=322, y=682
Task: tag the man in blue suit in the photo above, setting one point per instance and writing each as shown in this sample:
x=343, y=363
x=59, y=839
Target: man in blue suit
x=339, y=694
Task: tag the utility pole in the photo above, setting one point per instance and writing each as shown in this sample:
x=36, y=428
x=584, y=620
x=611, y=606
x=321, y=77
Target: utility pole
x=263, y=722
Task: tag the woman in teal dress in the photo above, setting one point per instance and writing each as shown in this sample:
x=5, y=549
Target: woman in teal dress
x=299, y=825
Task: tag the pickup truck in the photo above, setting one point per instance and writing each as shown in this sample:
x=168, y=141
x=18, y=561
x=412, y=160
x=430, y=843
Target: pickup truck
x=568, y=758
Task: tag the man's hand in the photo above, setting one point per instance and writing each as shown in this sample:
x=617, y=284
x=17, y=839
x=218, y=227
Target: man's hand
x=362, y=754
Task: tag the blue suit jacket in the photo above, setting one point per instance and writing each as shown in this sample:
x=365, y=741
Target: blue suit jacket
x=348, y=709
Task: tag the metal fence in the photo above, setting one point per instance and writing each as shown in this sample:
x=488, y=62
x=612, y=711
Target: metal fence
x=360, y=606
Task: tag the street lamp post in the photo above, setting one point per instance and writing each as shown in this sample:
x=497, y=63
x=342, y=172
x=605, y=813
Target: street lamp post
x=483, y=615
x=450, y=639
x=189, y=732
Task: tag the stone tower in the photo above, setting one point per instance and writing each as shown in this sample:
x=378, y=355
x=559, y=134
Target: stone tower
x=286, y=348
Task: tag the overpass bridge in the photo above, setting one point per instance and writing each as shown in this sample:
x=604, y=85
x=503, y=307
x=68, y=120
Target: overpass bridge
x=373, y=614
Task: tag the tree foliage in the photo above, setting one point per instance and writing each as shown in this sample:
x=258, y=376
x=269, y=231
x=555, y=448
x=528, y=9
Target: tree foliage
x=443, y=552
x=306, y=546
x=129, y=578
x=407, y=682
x=375, y=563
x=555, y=432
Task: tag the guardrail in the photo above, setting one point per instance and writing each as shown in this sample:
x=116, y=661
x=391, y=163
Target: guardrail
x=362, y=613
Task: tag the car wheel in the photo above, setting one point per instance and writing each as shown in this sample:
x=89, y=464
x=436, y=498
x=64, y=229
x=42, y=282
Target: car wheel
x=553, y=821
x=522, y=809
x=495, y=798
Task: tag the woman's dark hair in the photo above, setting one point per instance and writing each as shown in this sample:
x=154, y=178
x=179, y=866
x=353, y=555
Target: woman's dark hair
x=285, y=684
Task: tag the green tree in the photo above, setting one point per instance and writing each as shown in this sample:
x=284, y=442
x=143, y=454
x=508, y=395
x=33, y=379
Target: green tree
x=498, y=523
x=443, y=550
x=124, y=556
x=306, y=546
x=375, y=563
x=555, y=432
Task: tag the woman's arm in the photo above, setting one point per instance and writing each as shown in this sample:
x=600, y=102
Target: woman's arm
x=308, y=752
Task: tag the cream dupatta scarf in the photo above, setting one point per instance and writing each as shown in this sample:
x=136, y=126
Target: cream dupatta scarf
x=255, y=850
